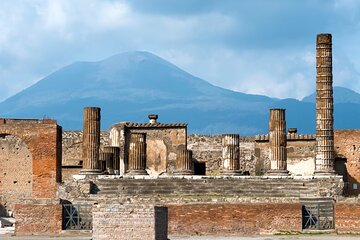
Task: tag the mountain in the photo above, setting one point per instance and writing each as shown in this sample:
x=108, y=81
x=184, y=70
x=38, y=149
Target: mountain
x=131, y=85
x=341, y=95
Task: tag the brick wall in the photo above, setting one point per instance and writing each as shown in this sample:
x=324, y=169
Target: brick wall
x=347, y=146
x=38, y=219
x=234, y=219
x=347, y=217
x=42, y=140
x=129, y=221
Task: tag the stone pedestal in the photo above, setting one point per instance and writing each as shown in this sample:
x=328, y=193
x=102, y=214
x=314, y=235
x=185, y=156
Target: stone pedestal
x=230, y=154
x=137, y=154
x=91, y=141
x=277, y=142
x=184, y=162
x=324, y=156
x=116, y=156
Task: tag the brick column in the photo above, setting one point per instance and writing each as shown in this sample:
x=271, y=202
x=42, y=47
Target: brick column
x=116, y=157
x=91, y=141
x=324, y=156
x=230, y=154
x=137, y=154
x=277, y=142
x=184, y=162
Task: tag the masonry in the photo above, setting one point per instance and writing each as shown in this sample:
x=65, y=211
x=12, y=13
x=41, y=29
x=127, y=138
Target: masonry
x=167, y=181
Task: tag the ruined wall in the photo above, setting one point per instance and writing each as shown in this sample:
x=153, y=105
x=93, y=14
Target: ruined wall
x=347, y=148
x=129, y=221
x=234, y=219
x=162, y=141
x=43, y=140
x=15, y=172
x=347, y=217
x=208, y=149
x=38, y=219
x=72, y=146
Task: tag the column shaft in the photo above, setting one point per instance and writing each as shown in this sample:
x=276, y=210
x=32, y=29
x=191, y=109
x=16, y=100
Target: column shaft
x=137, y=154
x=116, y=156
x=277, y=142
x=324, y=156
x=91, y=140
x=230, y=154
x=184, y=162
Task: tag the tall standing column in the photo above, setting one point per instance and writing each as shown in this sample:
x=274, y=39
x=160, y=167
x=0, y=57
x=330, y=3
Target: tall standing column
x=277, y=142
x=230, y=154
x=137, y=154
x=324, y=156
x=91, y=140
x=116, y=157
x=184, y=162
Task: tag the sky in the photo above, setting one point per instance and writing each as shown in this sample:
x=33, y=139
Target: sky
x=252, y=46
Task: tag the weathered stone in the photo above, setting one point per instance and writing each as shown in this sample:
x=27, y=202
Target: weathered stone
x=91, y=140
x=324, y=157
x=184, y=162
x=277, y=141
x=137, y=154
x=230, y=154
x=116, y=156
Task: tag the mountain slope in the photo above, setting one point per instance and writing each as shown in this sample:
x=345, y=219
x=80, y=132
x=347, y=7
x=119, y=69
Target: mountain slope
x=131, y=85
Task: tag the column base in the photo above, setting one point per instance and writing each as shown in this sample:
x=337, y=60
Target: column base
x=184, y=172
x=230, y=173
x=91, y=172
x=137, y=172
x=324, y=173
x=274, y=172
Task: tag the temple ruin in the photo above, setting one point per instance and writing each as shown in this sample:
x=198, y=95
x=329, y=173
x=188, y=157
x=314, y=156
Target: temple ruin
x=150, y=180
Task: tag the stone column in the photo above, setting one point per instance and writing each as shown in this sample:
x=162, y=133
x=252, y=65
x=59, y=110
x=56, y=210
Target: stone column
x=324, y=156
x=102, y=161
x=230, y=154
x=91, y=141
x=184, y=162
x=137, y=154
x=116, y=157
x=277, y=142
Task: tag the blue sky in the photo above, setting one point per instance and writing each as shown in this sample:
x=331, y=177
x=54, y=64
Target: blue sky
x=253, y=46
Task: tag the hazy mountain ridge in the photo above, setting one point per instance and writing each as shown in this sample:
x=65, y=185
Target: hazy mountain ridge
x=131, y=85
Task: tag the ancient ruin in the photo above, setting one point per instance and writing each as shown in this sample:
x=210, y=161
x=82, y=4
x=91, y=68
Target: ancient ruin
x=150, y=180
x=324, y=163
x=277, y=141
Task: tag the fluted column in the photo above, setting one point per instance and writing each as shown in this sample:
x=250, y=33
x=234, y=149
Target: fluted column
x=184, y=162
x=137, y=154
x=91, y=140
x=116, y=157
x=230, y=154
x=277, y=142
x=324, y=157
x=102, y=161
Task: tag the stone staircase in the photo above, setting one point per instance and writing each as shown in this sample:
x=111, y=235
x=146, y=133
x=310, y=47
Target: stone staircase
x=220, y=186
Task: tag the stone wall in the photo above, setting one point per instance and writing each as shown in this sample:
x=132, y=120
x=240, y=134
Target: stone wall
x=38, y=219
x=129, y=221
x=208, y=149
x=234, y=219
x=72, y=146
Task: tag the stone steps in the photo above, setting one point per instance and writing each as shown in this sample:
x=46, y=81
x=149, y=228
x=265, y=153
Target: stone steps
x=280, y=187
